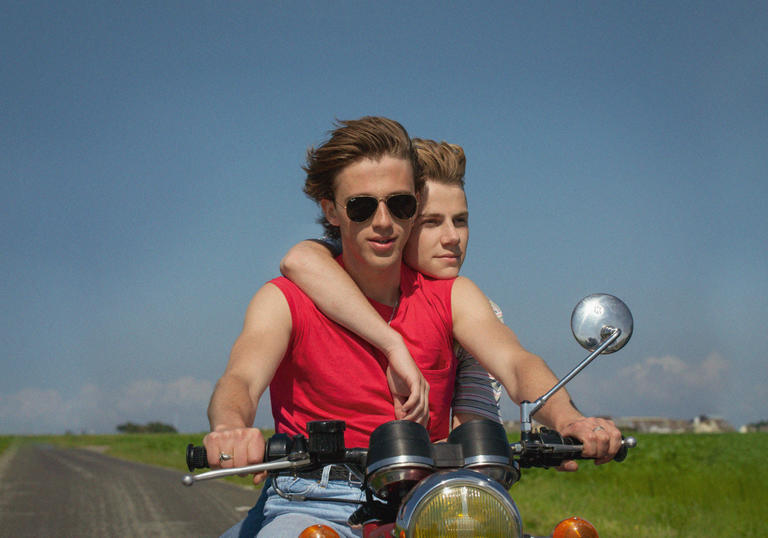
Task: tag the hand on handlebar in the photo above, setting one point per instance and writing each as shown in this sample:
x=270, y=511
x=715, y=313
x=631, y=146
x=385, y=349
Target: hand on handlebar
x=235, y=447
x=410, y=391
x=600, y=437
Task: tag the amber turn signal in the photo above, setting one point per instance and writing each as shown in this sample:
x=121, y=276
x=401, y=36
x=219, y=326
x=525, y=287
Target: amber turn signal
x=575, y=527
x=319, y=531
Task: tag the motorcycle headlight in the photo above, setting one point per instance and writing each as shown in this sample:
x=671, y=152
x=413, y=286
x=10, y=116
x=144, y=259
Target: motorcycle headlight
x=458, y=504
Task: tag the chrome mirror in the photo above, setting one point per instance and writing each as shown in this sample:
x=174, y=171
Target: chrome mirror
x=596, y=317
x=602, y=324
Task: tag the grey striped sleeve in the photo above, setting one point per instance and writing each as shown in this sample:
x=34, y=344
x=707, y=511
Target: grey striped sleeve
x=476, y=391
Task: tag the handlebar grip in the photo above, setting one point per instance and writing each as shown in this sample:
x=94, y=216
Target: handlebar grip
x=197, y=457
x=621, y=455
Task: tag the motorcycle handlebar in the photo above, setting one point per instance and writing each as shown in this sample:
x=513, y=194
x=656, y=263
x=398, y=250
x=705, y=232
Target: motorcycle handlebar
x=549, y=450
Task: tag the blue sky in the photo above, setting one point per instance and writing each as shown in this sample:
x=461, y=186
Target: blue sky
x=150, y=181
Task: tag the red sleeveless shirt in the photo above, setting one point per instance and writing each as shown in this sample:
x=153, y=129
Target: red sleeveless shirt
x=329, y=373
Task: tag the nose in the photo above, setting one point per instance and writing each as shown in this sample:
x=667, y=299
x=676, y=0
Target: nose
x=382, y=218
x=450, y=236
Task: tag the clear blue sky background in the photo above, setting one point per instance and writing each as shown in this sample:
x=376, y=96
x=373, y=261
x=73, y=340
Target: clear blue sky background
x=150, y=181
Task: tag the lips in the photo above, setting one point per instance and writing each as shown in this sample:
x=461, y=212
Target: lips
x=381, y=244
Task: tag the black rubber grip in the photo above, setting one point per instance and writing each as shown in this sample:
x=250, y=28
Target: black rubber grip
x=620, y=456
x=197, y=457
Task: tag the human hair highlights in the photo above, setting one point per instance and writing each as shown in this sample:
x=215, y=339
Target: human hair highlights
x=441, y=162
x=370, y=137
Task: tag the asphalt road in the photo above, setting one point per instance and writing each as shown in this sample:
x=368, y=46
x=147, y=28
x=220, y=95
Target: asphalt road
x=47, y=491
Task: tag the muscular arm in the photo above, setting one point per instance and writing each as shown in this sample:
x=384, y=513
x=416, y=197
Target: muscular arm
x=255, y=357
x=311, y=266
x=524, y=375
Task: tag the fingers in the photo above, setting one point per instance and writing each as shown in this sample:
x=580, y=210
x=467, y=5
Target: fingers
x=613, y=443
x=600, y=438
x=417, y=412
x=569, y=466
x=234, y=448
x=410, y=396
x=417, y=404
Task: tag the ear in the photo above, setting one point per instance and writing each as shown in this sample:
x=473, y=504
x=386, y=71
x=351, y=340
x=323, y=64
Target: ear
x=329, y=210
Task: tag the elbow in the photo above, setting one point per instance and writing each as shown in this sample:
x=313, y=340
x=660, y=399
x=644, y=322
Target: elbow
x=290, y=263
x=296, y=258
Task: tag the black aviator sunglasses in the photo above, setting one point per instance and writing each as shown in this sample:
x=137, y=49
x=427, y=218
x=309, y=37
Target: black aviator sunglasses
x=400, y=206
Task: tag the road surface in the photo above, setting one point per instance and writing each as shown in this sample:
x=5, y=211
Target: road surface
x=48, y=491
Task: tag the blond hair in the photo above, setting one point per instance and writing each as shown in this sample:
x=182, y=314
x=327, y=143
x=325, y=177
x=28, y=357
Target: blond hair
x=441, y=162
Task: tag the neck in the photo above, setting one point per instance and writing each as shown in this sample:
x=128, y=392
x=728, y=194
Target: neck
x=382, y=284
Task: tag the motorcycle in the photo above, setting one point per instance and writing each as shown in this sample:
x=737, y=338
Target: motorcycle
x=415, y=488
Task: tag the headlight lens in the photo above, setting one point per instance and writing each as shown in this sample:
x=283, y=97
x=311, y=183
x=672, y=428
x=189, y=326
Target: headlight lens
x=459, y=504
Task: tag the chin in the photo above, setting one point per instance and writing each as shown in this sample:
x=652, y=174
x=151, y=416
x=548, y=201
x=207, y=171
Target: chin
x=442, y=272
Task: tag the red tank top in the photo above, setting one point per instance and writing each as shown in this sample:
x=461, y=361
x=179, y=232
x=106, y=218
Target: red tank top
x=329, y=373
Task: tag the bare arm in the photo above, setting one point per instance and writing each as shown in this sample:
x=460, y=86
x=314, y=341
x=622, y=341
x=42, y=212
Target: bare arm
x=311, y=266
x=253, y=361
x=524, y=375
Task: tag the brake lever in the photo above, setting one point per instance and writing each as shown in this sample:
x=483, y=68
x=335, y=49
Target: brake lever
x=277, y=465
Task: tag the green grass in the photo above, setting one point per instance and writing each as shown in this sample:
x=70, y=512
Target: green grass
x=669, y=486
x=5, y=442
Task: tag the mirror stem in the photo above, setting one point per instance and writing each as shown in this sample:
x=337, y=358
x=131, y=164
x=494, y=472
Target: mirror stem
x=528, y=409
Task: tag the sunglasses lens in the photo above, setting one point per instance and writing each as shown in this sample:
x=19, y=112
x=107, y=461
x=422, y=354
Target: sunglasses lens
x=402, y=206
x=361, y=208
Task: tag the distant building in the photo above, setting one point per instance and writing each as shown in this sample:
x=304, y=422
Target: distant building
x=761, y=426
x=653, y=424
x=705, y=424
x=699, y=424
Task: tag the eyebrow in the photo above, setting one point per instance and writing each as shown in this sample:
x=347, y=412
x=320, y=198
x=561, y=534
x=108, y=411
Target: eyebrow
x=462, y=214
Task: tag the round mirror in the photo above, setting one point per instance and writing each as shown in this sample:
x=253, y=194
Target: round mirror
x=594, y=319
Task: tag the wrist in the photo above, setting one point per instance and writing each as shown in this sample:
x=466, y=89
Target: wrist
x=563, y=420
x=228, y=425
x=392, y=344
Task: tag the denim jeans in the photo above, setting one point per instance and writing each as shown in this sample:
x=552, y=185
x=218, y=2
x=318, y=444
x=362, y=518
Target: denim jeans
x=275, y=516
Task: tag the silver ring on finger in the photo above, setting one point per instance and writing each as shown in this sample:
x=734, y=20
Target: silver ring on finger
x=224, y=457
x=598, y=429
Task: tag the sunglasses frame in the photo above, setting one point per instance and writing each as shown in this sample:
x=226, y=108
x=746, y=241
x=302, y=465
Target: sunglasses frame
x=386, y=200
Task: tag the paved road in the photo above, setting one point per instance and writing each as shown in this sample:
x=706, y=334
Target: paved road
x=47, y=491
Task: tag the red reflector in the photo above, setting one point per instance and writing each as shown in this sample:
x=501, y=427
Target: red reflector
x=319, y=531
x=575, y=527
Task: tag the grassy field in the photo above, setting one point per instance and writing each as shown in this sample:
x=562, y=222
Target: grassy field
x=670, y=486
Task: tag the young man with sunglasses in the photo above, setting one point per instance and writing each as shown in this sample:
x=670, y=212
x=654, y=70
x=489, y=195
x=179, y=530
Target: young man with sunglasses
x=436, y=248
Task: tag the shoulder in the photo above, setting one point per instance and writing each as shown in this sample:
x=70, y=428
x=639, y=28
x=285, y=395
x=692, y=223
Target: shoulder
x=466, y=291
x=269, y=310
x=292, y=295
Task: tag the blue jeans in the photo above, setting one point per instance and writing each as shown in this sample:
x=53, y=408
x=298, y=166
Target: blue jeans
x=275, y=516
